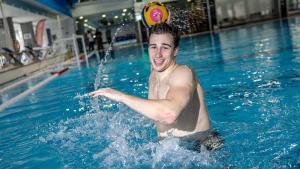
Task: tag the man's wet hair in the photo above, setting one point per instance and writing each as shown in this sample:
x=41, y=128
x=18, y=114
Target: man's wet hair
x=164, y=28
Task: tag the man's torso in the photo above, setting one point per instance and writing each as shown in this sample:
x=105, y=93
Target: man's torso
x=193, y=118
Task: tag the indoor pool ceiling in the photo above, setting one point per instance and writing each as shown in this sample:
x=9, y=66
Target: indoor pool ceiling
x=93, y=11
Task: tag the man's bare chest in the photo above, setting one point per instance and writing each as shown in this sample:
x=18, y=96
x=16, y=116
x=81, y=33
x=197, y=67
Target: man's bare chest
x=159, y=90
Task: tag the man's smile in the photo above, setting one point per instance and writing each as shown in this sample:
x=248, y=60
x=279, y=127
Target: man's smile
x=158, y=61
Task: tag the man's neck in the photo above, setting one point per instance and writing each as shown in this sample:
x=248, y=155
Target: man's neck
x=162, y=75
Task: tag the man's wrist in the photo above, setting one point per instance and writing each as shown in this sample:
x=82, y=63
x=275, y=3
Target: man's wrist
x=123, y=98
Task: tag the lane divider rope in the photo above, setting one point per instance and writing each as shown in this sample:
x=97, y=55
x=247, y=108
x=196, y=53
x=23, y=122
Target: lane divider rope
x=30, y=90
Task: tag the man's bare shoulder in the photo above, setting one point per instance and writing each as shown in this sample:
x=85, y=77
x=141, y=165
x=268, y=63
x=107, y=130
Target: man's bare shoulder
x=183, y=70
x=151, y=76
x=183, y=74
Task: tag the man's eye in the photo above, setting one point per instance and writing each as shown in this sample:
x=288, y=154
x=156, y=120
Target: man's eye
x=165, y=48
x=152, y=47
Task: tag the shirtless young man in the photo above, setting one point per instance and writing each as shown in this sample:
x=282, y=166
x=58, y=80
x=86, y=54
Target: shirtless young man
x=176, y=99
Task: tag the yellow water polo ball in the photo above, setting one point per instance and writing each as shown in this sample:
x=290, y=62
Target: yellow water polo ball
x=154, y=13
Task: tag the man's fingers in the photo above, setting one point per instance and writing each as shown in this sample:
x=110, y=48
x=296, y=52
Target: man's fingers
x=99, y=92
x=92, y=93
x=95, y=93
x=107, y=92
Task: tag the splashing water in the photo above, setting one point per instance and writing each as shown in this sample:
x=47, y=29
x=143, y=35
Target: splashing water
x=179, y=18
x=183, y=18
x=95, y=141
x=97, y=80
x=95, y=101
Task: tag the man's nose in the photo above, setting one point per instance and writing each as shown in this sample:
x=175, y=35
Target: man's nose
x=158, y=52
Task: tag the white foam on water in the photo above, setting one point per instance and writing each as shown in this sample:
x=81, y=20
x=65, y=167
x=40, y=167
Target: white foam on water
x=272, y=84
x=113, y=140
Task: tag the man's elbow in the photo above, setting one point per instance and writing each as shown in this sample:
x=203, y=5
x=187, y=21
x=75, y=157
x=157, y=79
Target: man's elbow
x=170, y=118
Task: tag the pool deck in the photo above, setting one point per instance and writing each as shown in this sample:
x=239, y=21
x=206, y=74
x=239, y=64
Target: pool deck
x=15, y=74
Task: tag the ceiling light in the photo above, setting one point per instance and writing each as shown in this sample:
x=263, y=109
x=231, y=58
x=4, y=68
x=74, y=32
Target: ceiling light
x=116, y=17
x=123, y=14
x=138, y=17
x=124, y=10
x=86, y=20
x=103, y=16
x=81, y=17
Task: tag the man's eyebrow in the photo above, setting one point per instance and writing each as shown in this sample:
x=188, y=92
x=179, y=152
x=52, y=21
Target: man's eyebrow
x=167, y=44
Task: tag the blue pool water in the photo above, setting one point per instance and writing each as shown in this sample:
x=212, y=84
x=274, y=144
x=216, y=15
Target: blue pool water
x=16, y=90
x=251, y=77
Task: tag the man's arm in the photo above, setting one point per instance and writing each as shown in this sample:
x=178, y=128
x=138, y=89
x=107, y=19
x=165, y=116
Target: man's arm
x=165, y=110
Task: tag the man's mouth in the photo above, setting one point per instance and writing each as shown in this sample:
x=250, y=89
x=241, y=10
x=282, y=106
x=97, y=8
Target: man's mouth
x=158, y=61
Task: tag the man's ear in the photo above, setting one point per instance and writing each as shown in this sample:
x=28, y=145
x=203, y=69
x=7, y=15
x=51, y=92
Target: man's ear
x=176, y=51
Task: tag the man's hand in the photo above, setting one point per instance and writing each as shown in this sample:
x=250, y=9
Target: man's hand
x=109, y=93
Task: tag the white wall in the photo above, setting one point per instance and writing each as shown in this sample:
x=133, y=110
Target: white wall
x=258, y=6
x=68, y=27
x=242, y=8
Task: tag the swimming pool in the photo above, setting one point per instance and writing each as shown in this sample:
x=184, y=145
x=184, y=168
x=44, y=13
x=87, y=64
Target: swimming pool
x=251, y=76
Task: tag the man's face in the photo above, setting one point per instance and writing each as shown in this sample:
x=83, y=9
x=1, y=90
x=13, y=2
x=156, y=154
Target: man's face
x=161, y=51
